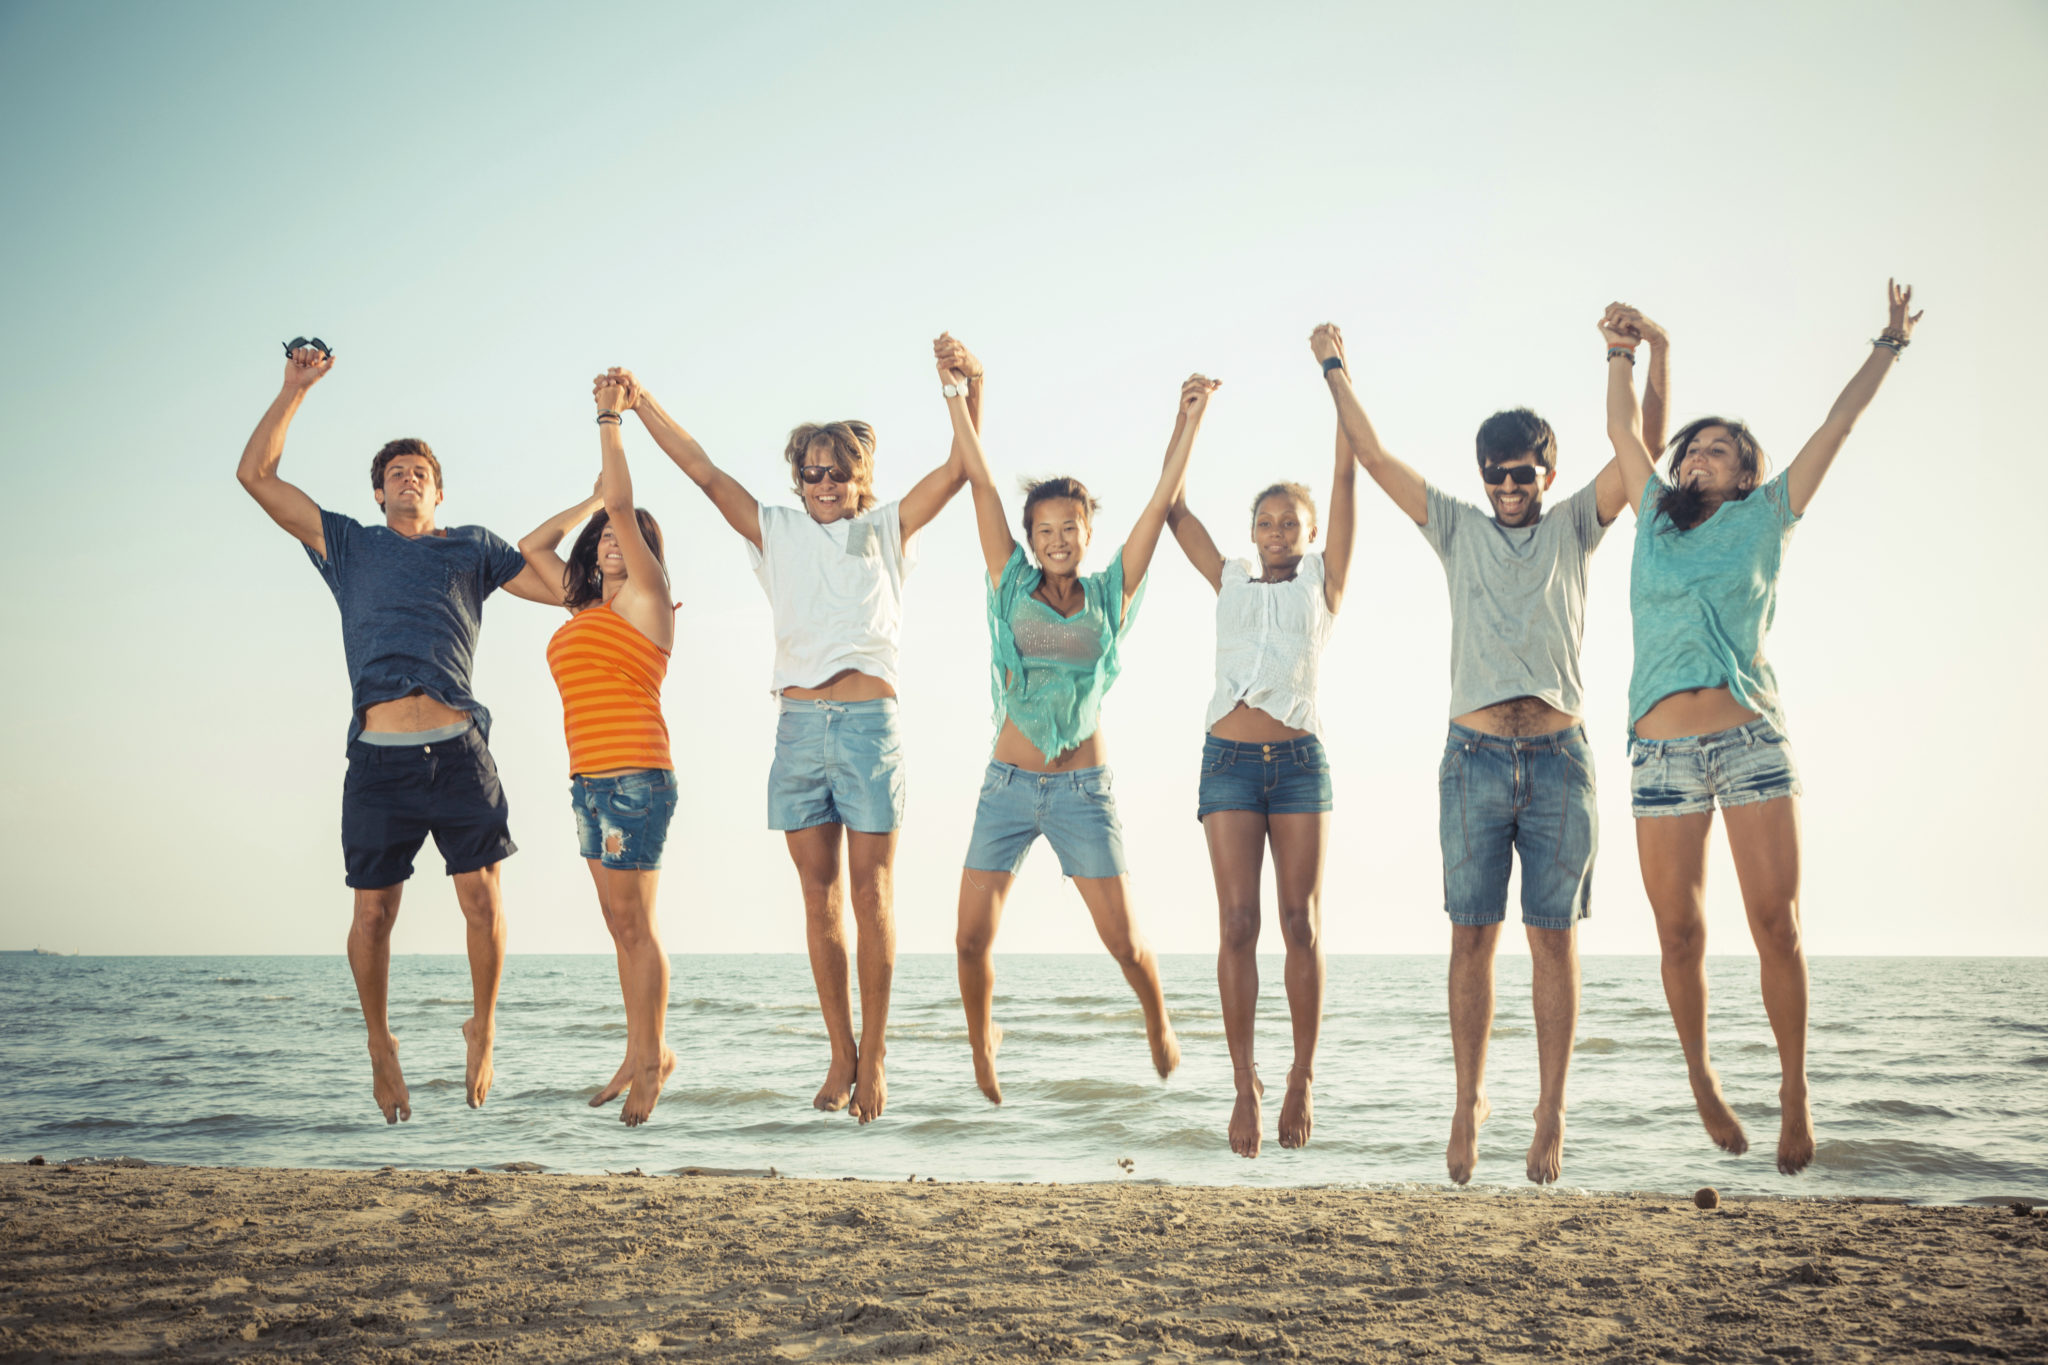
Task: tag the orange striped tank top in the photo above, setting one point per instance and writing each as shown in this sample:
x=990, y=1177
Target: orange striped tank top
x=610, y=676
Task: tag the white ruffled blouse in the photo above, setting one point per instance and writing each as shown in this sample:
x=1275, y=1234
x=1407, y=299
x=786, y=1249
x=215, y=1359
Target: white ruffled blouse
x=1269, y=643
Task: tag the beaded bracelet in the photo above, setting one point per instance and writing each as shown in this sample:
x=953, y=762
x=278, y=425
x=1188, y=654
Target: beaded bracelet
x=1895, y=345
x=1629, y=351
x=607, y=413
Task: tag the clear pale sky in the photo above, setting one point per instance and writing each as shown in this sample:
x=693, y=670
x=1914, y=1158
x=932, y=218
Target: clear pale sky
x=768, y=212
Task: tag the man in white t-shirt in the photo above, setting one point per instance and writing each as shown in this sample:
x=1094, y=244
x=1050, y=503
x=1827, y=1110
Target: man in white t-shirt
x=833, y=570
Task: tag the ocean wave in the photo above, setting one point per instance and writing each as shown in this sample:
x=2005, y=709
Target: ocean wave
x=1912, y=1163
x=236, y=981
x=1899, y=1109
x=1089, y=1090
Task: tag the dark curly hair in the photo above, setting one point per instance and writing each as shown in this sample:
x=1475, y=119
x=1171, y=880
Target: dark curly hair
x=582, y=579
x=405, y=445
x=1516, y=432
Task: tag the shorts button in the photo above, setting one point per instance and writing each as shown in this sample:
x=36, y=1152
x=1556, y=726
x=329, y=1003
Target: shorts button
x=427, y=748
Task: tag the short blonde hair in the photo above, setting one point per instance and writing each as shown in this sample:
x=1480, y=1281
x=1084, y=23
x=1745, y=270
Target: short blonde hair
x=853, y=451
x=1298, y=491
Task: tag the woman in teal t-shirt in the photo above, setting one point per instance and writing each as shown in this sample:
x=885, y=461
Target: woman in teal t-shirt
x=1054, y=636
x=1705, y=725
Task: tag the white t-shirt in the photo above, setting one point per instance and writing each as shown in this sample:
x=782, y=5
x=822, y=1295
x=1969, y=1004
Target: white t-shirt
x=1269, y=643
x=836, y=589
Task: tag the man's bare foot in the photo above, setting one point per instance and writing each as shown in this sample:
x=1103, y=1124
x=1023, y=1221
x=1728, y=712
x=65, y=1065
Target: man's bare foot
x=1246, y=1124
x=647, y=1084
x=833, y=1095
x=1795, y=1130
x=387, y=1081
x=616, y=1086
x=1165, y=1049
x=1298, y=1110
x=870, y=1087
x=1462, y=1153
x=985, y=1065
x=1722, y=1125
x=477, y=1073
x=1546, y=1152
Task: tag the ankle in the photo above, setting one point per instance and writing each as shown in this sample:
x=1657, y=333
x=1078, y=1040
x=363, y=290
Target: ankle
x=1301, y=1075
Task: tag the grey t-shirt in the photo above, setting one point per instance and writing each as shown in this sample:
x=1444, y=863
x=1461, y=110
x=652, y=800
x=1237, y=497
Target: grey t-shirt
x=411, y=609
x=1518, y=599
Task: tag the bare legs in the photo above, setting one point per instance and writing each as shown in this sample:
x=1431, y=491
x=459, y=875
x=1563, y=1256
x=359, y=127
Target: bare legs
x=856, y=1077
x=1764, y=839
x=1108, y=900
x=1554, y=992
x=1237, y=845
x=627, y=899
x=369, y=958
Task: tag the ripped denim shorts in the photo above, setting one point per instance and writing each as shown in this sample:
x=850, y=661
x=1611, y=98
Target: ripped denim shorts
x=631, y=810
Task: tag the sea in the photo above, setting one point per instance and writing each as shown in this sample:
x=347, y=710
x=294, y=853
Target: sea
x=1930, y=1075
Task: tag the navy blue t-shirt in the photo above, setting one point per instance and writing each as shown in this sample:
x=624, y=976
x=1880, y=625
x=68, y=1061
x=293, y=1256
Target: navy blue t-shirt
x=411, y=609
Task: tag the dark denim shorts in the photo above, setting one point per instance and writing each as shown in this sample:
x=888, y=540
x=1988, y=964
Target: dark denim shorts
x=1291, y=777
x=633, y=807
x=1531, y=796
x=396, y=795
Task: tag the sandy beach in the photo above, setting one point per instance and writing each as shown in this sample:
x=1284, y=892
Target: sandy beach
x=105, y=1262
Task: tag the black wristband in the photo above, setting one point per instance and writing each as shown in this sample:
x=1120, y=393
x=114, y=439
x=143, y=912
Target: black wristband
x=1335, y=362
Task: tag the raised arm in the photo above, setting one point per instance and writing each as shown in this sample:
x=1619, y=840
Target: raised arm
x=538, y=548
x=739, y=507
x=286, y=503
x=1343, y=523
x=1624, y=418
x=1144, y=536
x=1811, y=465
x=644, y=600
x=929, y=496
x=1611, y=491
x=1399, y=481
x=997, y=544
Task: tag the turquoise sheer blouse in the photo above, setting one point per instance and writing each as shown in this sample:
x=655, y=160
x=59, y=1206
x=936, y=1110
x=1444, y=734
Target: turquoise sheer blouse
x=1048, y=673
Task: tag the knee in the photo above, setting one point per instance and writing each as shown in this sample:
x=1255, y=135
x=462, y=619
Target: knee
x=1241, y=930
x=375, y=916
x=872, y=895
x=1303, y=927
x=629, y=926
x=974, y=941
x=1684, y=940
x=1129, y=951
x=1776, y=932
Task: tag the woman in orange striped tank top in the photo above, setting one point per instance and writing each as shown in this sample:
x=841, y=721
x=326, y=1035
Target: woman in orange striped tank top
x=609, y=661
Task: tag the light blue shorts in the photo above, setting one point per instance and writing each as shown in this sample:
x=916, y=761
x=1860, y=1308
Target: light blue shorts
x=1075, y=811
x=837, y=763
x=1737, y=767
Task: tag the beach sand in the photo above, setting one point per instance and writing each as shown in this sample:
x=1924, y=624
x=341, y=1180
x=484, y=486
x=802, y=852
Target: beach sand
x=104, y=1262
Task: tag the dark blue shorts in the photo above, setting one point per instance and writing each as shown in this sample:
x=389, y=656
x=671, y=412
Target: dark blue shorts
x=1532, y=797
x=634, y=808
x=1291, y=777
x=395, y=796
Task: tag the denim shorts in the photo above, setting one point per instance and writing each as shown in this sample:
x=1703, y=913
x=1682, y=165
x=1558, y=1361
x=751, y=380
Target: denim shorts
x=1075, y=811
x=1291, y=777
x=1530, y=796
x=837, y=763
x=636, y=807
x=1737, y=767
x=396, y=795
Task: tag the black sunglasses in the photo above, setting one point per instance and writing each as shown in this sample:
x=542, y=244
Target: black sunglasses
x=315, y=342
x=818, y=473
x=1522, y=474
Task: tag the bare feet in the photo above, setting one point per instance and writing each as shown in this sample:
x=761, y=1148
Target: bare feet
x=1546, y=1152
x=1795, y=1130
x=1245, y=1124
x=837, y=1090
x=387, y=1081
x=1298, y=1110
x=616, y=1086
x=647, y=1083
x=1722, y=1125
x=985, y=1065
x=1462, y=1154
x=1165, y=1048
x=870, y=1087
x=477, y=1074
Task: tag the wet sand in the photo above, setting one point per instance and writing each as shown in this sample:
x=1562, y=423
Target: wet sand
x=104, y=1262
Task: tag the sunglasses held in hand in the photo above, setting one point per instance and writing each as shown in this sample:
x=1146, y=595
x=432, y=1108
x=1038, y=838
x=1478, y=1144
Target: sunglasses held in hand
x=315, y=342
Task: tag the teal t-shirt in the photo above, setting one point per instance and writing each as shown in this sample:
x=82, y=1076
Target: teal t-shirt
x=1048, y=672
x=1703, y=600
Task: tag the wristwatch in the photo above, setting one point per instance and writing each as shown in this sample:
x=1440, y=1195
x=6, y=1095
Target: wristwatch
x=953, y=390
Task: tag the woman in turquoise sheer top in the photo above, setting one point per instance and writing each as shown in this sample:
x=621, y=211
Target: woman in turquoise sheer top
x=1054, y=636
x=1706, y=729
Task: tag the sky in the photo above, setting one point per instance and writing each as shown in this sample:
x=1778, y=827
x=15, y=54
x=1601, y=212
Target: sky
x=768, y=212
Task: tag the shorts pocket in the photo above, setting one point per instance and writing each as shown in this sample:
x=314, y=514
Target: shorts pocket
x=1215, y=761
x=630, y=801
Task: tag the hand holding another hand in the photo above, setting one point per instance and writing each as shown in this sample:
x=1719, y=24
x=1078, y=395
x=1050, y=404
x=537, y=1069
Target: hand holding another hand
x=1327, y=341
x=1194, y=394
x=953, y=355
x=620, y=384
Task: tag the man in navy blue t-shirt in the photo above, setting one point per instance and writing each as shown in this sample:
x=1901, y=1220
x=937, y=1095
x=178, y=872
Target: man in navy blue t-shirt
x=411, y=597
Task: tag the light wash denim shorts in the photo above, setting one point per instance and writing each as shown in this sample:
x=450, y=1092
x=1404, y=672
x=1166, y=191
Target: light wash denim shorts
x=636, y=807
x=1529, y=796
x=837, y=763
x=1737, y=767
x=1075, y=811
x=1291, y=777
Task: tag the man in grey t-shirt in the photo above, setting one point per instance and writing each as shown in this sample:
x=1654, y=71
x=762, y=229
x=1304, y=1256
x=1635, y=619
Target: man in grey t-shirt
x=1517, y=774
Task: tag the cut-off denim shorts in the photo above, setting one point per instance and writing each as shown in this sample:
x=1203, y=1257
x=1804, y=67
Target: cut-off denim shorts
x=1075, y=811
x=1530, y=796
x=1737, y=767
x=1291, y=777
x=633, y=807
x=837, y=763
